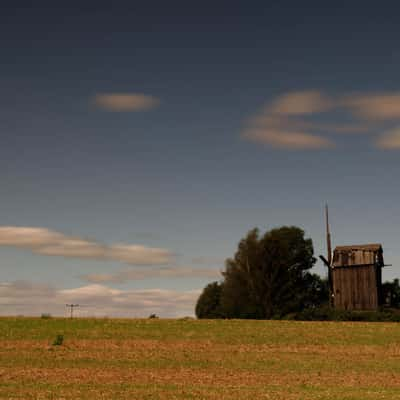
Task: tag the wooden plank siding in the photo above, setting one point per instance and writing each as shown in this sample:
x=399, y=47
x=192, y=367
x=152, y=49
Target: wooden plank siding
x=350, y=258
x=355, y=288
x=357, y=277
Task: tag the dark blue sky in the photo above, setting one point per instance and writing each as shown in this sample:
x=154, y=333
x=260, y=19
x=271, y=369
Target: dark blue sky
x=188, y=174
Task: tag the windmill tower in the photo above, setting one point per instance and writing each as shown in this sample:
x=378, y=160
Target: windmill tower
x=328, y=260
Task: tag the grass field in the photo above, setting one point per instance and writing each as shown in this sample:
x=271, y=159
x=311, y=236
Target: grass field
x=189, y=359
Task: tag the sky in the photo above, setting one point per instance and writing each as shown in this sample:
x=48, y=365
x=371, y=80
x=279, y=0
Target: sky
x=140, y=141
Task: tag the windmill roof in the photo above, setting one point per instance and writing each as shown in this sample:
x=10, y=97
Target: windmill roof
x=363, y=247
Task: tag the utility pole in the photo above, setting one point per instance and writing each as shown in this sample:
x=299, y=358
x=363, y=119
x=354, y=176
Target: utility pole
x=72, y=306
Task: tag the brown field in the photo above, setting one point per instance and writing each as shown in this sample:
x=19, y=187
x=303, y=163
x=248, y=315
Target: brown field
x=189, y=359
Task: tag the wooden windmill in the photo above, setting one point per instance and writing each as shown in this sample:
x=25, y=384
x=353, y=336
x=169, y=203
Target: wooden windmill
x=354, y=274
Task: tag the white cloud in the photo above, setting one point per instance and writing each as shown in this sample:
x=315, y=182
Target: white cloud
x=125, y=102
x=27, y=237
x=147, y=273
x=287, y=139
x=24, y=298
x=301, y=103
x=277, y=124
x=51, y=243
x=389, y=140
x=89, y=292
x=69, y=247
x=284, y=123
x=136, y=254
x=288, y=122
x=374, y=106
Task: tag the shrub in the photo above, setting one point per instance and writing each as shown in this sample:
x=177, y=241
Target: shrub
x=58, y=341
x=330, y=314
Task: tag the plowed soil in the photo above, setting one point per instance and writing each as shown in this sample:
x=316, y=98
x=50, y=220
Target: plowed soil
x=190, y=359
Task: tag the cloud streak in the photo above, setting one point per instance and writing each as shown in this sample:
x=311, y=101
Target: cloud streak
x=288, y=122
x=125, y=102
x=379, y=106
x=25, y=298
x=51, y=243
x=287, y=139
x=389, y=140
x=276, y=124
x=301, y=103
x=136, y=274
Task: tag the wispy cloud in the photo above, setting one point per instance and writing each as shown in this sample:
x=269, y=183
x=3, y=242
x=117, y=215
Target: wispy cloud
x=126, y=275
x=25, y=298
x=301, y=103
x=276, y=124
x=287, y=139
x=374, y=106
x=389, y=140
x=284, y=123
x=288, y=122
x=51, y=243
x=125, y=102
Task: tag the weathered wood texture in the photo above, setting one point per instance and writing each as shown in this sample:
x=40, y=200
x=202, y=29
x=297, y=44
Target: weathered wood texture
x=356, y=276
x=355, y=288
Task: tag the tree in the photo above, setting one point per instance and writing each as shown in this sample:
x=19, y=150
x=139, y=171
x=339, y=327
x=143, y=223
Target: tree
x=268, y=276
x=391, y=293
x=209, y=303
x=317, y=291
x=240, y=296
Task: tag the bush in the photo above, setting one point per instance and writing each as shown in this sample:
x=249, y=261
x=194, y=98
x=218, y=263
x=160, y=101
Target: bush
x=330, y=314
x=58, y=341
x=45, y=316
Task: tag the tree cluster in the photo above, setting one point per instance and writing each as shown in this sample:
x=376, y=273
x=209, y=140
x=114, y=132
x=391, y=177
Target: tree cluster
x=391, y=293
x=268, y=277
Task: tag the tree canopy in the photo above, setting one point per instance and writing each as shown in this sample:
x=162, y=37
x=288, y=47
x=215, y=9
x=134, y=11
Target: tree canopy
x=267, y=277
x=391, y=293
x=209, y=303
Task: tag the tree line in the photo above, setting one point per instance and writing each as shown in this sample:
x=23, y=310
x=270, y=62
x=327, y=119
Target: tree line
x=270, y=276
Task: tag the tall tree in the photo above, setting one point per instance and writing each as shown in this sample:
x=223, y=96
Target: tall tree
x=268, y=276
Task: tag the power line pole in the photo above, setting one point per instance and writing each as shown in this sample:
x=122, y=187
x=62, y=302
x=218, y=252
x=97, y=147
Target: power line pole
x=72, y=306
